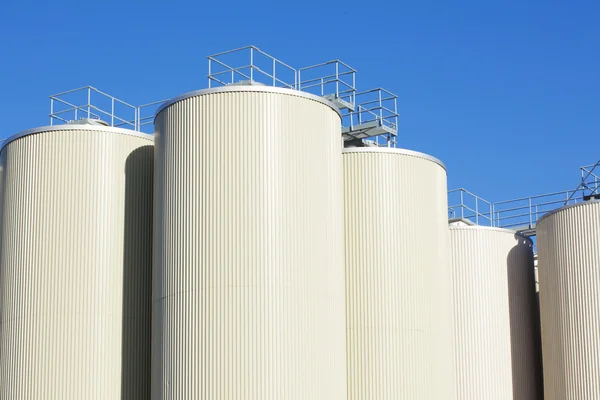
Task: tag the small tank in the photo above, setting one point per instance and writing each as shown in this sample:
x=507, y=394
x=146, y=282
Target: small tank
x=75, y=263
x=495, y=318
x=398, y=280
x=568, y=245
x=249, y=250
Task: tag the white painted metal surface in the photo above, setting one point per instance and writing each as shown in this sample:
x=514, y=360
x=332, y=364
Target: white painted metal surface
x=496, y=332
x=568, y=244
x=75, y=264
x=398, y=280
x=249, y=256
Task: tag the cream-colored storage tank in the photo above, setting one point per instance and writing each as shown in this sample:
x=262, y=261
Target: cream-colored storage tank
x=249, y=251
x=568, y=244
x=496, y=334
x=398, y=280
x=75, y=264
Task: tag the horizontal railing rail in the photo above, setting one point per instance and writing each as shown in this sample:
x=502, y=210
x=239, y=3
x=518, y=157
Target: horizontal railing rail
x=84, y=102
x=249, y=68
x=467, y=205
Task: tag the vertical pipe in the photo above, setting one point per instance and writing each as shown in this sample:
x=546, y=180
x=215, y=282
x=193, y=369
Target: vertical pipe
x=359, y=115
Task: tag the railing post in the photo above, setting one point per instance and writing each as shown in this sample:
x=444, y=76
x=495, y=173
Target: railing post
x=380, y=108
x=274, y=74
x=396, y=113
x=476, y=210
x=112, y=112
x=530, y=214
x=462, y=207
x=51, y=110
x=89, y=101
x=252, y=65
x=337, y=79
x=209, y=73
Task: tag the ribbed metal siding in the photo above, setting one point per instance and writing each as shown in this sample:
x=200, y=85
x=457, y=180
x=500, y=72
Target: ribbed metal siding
x=75, y=265
x=496, y=335
x=249, y=273
x=568, y=244
x=398, y=281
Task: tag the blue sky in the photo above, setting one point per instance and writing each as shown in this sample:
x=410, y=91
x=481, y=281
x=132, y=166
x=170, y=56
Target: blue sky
x=507, y=93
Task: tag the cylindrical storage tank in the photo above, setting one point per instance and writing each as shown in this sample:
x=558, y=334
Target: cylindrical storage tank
x=249, y=253
x=75, y=263
x=568, y=246
x=496, y=333
x=398, y=280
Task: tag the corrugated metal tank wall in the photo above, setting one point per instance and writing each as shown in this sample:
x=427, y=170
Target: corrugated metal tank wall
x=398, y=280
x=249, y=256
x=75, y=264
x=496, y=335
x=568, y=244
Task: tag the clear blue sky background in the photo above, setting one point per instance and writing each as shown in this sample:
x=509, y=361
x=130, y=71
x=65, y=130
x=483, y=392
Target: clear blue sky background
x=506, y=93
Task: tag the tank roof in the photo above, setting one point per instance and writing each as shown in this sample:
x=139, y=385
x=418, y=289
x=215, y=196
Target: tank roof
x=75, y=127
x=583, y=203
x=489, y=228
x=248, y=88
x=394, y=150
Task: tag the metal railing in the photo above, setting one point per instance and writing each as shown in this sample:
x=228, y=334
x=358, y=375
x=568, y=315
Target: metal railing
x=334, y=79
x=376, y=107
x=145, y=115
x=249, y=64
x=374, y=113
x=589, y=179
x=466, y=205
x=590, y=182
x=89, y=102
x=520, y=214
x=523, y=213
